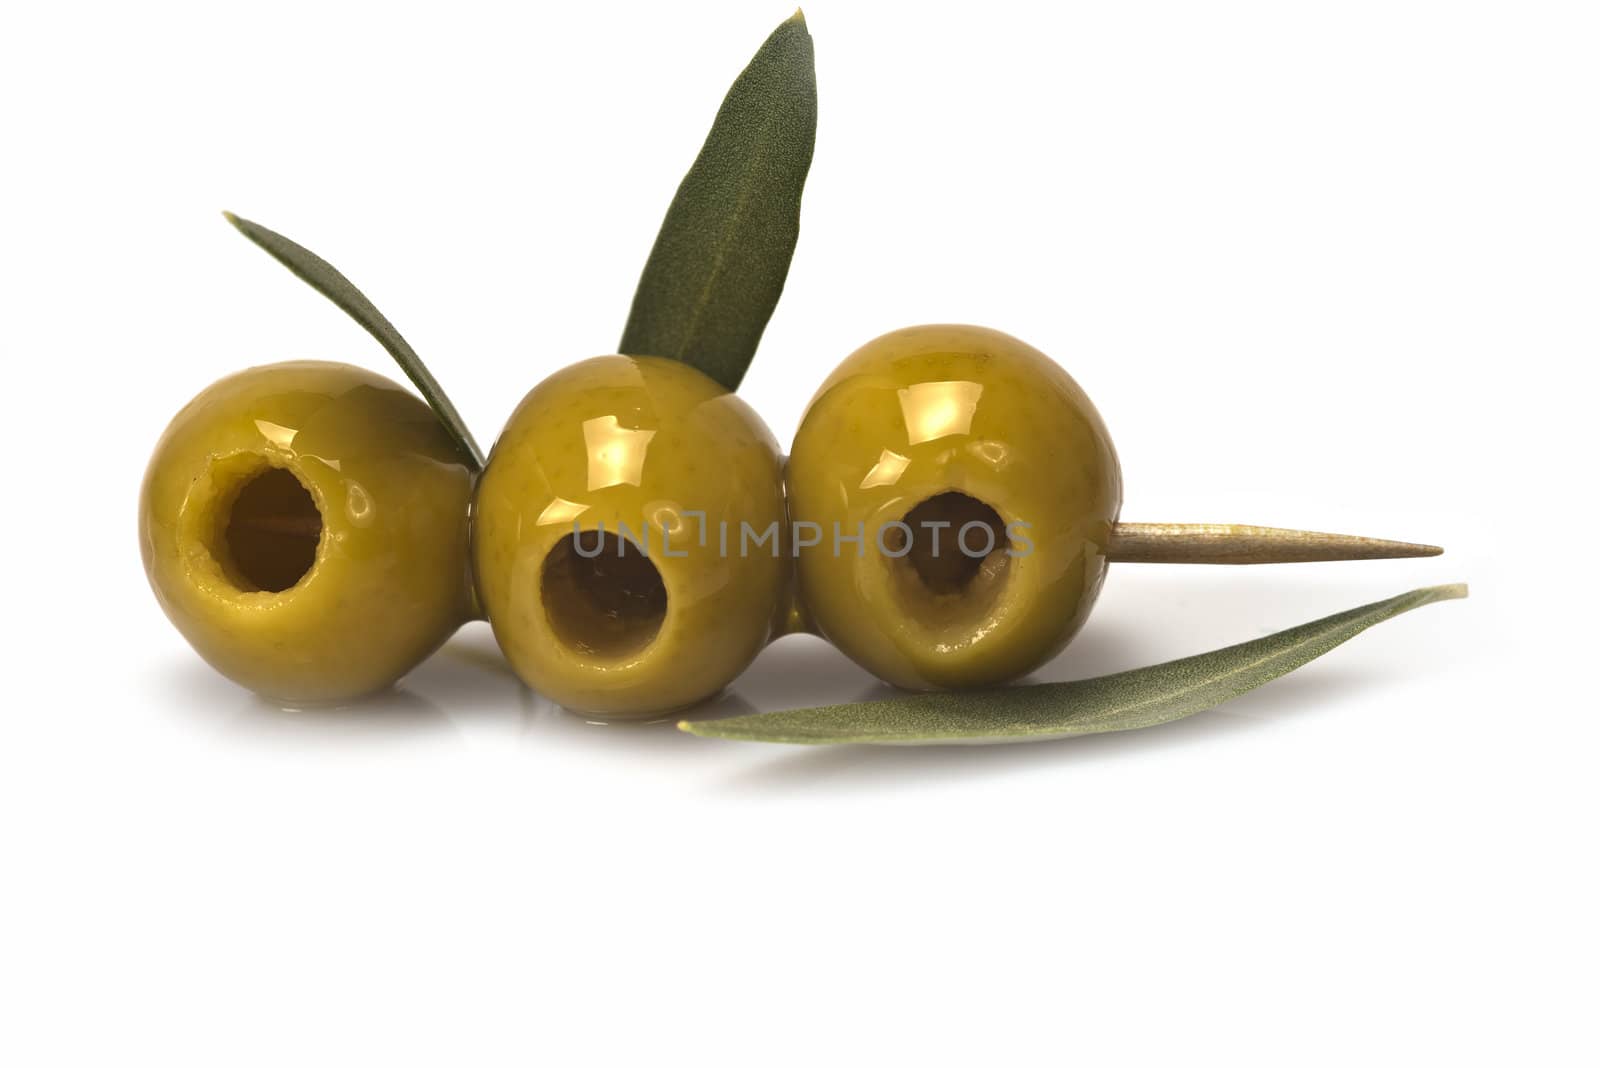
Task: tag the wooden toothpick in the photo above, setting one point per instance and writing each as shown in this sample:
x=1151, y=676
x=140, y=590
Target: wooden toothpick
x=1228, y=543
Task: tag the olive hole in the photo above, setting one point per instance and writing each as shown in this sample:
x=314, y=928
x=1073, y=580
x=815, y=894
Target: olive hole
x=606, y=600
x=951, y=558
x=273, y=530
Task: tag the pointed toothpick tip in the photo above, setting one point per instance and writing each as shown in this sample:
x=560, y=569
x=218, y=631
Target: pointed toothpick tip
x=1228, y=543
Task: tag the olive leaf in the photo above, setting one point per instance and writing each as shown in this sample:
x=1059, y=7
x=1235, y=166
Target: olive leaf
x=325, y=278
x=1129, y=700
x=720, y=260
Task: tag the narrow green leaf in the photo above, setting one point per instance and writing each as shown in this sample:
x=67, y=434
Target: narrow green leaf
x=1146, y=697
x=325, y=278
x=720, y=260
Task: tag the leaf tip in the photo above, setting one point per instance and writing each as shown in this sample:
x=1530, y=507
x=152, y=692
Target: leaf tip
x=799, y=16
x=249, y=229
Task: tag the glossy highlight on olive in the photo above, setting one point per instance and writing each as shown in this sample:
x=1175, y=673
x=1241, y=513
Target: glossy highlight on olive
x=304, y=526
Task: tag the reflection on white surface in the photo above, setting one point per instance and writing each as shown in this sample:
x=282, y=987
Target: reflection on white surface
x=466, y=696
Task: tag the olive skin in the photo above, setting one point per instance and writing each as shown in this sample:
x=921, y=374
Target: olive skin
x=304, y=526
x=637, y=622
x=969, y=427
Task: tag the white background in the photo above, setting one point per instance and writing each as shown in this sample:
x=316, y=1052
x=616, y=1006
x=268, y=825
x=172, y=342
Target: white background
x=1331, y=266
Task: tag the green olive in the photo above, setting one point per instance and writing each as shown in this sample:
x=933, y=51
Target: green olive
x=628, y=536
x=304, y=526
x=952, y=492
